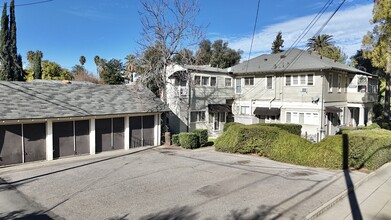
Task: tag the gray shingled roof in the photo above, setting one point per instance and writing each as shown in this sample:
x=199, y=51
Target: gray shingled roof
x=295, y=60
x=37, y=100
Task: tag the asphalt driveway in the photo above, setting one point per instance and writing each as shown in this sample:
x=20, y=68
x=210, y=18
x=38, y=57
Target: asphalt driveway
x=166, y=183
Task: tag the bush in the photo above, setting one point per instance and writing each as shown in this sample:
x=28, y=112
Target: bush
x=227, y=125
x=175, y=139
x=368, y=148
x=369, y=127
x=189, y=140
x=202, y=135
x=291, y=128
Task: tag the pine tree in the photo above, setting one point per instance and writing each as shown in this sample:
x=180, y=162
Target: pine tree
x=16, y=67
x=277, y=43
x=5, y=59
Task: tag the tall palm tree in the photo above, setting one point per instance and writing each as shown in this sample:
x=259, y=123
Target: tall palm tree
x=320, y=43
x=130, y=66
x=97, y=62
x=82, y=60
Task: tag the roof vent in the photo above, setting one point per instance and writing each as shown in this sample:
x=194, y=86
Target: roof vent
x=282, y=56
x=265, y=59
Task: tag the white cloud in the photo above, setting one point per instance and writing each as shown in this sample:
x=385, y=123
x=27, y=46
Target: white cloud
x=348, y=27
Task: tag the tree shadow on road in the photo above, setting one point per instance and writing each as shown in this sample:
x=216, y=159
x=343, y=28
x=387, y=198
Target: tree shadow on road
x=22, y=214
x=176, y=213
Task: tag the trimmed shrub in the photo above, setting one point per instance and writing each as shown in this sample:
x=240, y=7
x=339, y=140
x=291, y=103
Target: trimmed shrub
x=229, y=124
x=202, y=135
x=368, y=148
x=175, y=139
x=369, y=127
x=291, y=128
x=189, y=140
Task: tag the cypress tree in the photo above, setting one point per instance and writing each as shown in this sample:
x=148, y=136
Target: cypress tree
x=37, y=65
x=5, y=59
x=17, y=69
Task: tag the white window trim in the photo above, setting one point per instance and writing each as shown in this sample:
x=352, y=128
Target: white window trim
x=244, y=81
x=272, y=77
x=299, y=78
x=225, y=78
x=241, y=86
x=330, y=81
x=339, y=83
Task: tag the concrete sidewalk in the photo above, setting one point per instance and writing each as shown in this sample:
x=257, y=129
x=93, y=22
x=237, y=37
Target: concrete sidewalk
x=369, y=198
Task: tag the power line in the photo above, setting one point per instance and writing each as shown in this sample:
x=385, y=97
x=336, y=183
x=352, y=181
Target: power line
x=298, y=39
x=252, y=39
x=31, y=3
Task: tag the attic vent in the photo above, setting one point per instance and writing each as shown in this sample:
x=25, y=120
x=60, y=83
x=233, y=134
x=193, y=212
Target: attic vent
x=282, y=56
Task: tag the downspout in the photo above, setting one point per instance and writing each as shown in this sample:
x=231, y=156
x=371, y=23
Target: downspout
x=189, y=101
x=322, y=109
x=275, y=91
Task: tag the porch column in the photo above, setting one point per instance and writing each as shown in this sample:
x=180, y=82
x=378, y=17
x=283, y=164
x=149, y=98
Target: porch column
x=361, y=116
x=127, y=134
x=157, y=129
x=92, y=136
x=49, y=140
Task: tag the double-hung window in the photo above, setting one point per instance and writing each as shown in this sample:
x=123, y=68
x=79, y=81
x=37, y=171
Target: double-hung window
x=248, y=81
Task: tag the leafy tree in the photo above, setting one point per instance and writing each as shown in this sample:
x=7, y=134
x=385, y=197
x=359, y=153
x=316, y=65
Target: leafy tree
x=324, y=45
x=5, y=68
x=82, y=60
x=167, y=26
x=378, y=43
x=112, y=73
x=184, y=56
x=223, y=56
x=53, y=71
x=277, y=43
x=79, y=73
x=204, y=53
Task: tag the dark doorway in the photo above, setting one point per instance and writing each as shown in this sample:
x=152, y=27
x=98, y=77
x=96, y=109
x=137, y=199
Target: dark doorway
x=148, y=130
x=118, y=133
x=10, y=144
x=34, y=142
x=135, y=130
x=63, y=139
x=103, y=135
x=82, y=132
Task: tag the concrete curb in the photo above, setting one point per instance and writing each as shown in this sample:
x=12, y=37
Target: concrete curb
x=317, y=212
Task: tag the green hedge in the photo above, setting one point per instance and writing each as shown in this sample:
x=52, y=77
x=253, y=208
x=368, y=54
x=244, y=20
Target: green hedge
x=189, y=140
x=175, y=139
x=368, y=148
x=291, y=128
x=369, y=127
x=202, y=135
x=229, y=124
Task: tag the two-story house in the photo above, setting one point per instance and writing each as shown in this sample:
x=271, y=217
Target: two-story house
x=200, y=97
x=304, y=88
x=294, y=86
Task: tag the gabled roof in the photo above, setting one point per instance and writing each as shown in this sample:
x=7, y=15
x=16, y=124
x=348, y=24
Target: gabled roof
x=206, y=68
x=293, y=60
x=37, y=100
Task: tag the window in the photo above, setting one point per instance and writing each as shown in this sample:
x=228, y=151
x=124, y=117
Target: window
x=308, y=118
x=197, y=80
x=288, y=80
x=310, y=79
x=315, y=118
x=288, y=117
x=295, y=117
x=228, y=82
x=245, y=110
x=330, y=82
x=302, y=80
x=295, y=80
x=301, y=118
x=182, y=91
x=248, y=81
x=205, y=81
x=213, y=81
x=299, y=80
x=269, y=82
x=183, y=82
x=339, y=83
x=238, y=85
x=197, y=116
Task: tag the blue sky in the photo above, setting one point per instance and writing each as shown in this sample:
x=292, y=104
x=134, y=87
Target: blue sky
x=66, y=29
